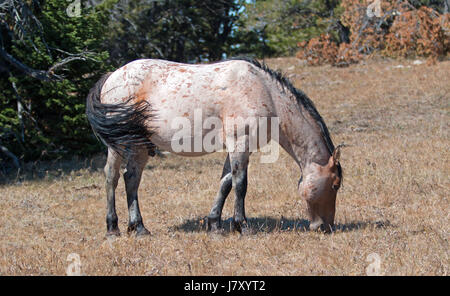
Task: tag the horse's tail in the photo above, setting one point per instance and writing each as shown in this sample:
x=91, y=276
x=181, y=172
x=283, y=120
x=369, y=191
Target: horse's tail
x=120, y=126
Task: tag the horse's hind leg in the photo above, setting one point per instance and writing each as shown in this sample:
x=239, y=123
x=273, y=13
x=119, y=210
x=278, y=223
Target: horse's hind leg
x=112, y=173
x=225, y=187
x=135, y=166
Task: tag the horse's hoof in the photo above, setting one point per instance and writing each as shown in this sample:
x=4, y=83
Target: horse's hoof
x=113, y=233
x=320, y=227
x=140, y=230
x=213, y=224
x=216, y=231
x=247, y=230
x=241, y=227
x=143, y=232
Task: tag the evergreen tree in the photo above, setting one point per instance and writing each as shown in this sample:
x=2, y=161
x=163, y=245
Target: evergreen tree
x=281, y=24
x=49, y=61
x=182, y=30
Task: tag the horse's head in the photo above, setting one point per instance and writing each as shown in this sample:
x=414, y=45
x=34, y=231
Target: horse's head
x=319, y=188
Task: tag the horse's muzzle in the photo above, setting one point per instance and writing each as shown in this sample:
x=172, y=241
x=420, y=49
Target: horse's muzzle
x=319, y=225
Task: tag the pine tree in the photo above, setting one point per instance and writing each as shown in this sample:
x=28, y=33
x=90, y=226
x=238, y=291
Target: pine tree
x=48, y=63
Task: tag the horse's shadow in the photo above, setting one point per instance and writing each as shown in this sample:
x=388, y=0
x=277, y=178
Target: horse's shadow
x=271, y=224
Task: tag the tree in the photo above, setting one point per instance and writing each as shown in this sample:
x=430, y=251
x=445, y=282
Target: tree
x=52, y=52
x=183, y=30
x=394, y=28
x=48, y=63
x=281, y=24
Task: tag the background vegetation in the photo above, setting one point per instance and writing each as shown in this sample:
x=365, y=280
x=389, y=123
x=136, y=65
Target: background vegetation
x=52, y=51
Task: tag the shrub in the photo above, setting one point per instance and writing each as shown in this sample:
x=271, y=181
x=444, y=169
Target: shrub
x=402, y=30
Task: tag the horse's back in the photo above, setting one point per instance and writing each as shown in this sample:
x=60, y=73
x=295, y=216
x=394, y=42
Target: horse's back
x=231, y=89
x=143, y=77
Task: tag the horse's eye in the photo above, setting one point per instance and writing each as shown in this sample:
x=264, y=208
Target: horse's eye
x=335, y=187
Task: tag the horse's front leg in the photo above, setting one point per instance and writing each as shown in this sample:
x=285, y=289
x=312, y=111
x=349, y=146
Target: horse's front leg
x=214, y=217
x=239, y=165
x=112, y=173
x=135, y=166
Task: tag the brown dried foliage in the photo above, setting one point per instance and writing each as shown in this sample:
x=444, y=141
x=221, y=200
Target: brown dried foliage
x=401, y=31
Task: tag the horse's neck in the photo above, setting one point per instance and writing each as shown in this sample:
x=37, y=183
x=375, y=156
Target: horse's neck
x=300, y=134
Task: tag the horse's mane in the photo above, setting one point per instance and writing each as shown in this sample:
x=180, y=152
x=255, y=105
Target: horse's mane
x=301, y=98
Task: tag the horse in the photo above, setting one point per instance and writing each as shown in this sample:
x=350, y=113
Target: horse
x=132, y=111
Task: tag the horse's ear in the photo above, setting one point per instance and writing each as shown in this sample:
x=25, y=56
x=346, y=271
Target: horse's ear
x=334, y=158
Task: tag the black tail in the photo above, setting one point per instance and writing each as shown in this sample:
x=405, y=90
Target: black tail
x=119, y=126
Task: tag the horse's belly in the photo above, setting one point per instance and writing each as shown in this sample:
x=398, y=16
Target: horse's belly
x=192, y=133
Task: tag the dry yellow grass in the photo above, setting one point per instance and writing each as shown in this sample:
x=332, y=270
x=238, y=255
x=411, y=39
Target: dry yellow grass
x=394, y=201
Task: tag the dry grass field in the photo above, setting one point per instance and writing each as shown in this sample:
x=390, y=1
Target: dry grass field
x=393, y=115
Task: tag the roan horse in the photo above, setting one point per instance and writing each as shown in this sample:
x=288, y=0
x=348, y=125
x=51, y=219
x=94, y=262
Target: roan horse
x=131, y=111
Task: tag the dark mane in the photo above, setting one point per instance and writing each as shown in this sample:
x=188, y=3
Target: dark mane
x=302, y=99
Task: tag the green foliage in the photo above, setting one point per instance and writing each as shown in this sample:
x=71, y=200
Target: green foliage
x=183, y=30
x=44, y=119
x=281, y=24
x=53, y=120
x=438, y=5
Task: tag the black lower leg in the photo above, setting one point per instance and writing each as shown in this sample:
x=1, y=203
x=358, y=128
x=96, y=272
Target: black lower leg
x=112, y=177
x=240, y=188
x=135, y=219
x=132, y=179
x=214, y=217
x=112, y=227
x=239, y=219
